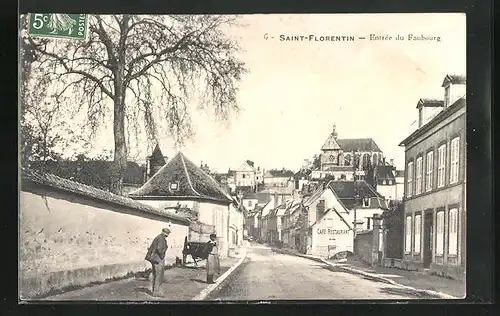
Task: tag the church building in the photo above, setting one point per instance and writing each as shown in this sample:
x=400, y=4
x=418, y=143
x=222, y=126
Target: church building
x=339, y=156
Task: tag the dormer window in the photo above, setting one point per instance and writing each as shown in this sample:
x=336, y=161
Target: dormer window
x=447, y=96
x=384, y=182
x=366, y=202
x=174, y=186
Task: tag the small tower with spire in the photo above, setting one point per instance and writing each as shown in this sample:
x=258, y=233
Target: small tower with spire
x=155, y=162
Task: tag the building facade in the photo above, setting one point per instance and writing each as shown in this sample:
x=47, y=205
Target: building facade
x=277, y=178
x=247, y=175
x=182, y=184
x=435, y=187
x=326, y=227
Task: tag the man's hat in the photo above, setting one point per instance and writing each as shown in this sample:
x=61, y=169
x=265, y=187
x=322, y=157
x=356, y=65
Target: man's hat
x=166, y=230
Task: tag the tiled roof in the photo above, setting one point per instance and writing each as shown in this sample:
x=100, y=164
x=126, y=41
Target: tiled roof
x=385, y=172
x=262, y=198
x=430, y=103
x=347, y=189
x=454, y=79
x=355, y=144
x=279, y=173
x=88, y=191
x=193, y=183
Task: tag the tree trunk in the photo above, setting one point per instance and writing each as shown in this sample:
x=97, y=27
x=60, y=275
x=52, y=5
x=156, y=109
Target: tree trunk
x=120, y=152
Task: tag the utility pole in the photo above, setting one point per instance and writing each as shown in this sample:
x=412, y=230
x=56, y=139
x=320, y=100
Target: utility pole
x=356, y=162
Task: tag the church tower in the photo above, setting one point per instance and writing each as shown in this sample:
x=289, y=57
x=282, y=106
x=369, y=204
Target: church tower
x=330, y=151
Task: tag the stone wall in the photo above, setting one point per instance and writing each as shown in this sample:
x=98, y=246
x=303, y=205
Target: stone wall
x=363, y=246
x=67, y=239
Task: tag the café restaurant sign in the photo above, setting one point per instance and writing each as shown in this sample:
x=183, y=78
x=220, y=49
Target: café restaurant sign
x=328, y=231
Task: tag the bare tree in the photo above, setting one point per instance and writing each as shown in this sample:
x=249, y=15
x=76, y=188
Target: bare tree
x=148, y=69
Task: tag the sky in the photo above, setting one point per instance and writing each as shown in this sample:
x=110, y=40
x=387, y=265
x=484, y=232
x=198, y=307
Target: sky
x=296, y=90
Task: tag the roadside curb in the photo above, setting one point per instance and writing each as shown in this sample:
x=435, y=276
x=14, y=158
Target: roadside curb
x=369, y=275
x=212, y=287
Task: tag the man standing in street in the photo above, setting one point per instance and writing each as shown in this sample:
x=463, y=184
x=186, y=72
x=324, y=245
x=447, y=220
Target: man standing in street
x=156, y=255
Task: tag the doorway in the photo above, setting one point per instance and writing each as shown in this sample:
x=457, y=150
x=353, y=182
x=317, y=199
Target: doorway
x=428, y=234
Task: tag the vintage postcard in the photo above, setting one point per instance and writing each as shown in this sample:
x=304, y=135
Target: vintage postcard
x=242, y=158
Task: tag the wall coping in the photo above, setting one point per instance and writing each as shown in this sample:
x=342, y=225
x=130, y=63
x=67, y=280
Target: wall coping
x=52, y=181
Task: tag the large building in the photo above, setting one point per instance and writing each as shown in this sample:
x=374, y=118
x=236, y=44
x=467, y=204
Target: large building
x=435, y=184
x=338, y=157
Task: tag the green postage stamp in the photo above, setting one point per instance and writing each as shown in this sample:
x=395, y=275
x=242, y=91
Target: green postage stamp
x=71, y=26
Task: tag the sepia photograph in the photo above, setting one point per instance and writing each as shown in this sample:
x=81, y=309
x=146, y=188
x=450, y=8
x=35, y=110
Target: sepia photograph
x=251, y=158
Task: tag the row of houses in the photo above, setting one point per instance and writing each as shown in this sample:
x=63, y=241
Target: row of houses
x=320, y=221
x=327, y=200
x=351, y=185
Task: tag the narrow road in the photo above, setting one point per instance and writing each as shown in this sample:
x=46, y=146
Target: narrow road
x=267, y=275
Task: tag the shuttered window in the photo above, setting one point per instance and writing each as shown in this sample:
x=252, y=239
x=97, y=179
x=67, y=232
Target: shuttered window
x=453, y=231
x=439, y=232
x=408, y=234
x=418, y=223
x=430, y=169
x=441, y=165
x=454, y=152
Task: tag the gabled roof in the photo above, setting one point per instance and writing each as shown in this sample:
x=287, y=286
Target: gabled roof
x=358, y=144
x=50, y=180
x=453, y=79
x=430, y=103
x=193, y=183
x=315, y=195
x=247, y=166
x=336, y=212
x=347, y=189
x=331, y=143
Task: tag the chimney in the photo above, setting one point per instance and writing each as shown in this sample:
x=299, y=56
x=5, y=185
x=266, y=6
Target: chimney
x=427, y=109
x=454, y=88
